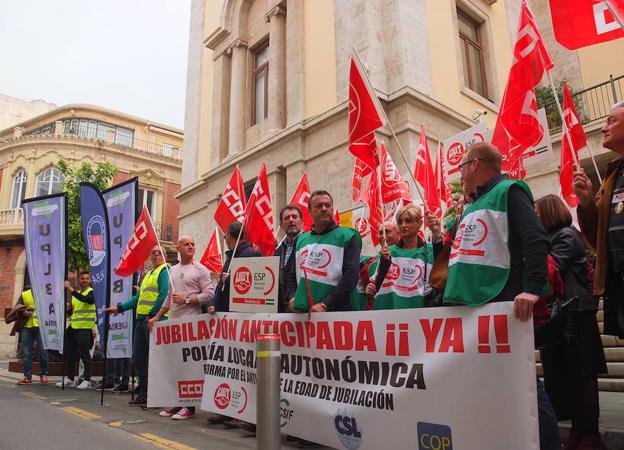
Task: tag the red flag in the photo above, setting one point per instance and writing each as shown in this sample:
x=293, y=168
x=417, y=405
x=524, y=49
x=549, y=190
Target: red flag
x=231, y=206
x=365, y=115
x=424, y=175
x=211, y=258
x=259, y=215
x=360, y=170
x=138, y=249
x=441, y=176
x=393, y=186
x=574, y=130
x=580, y=23
x=370, y=196
x=336, y=216
x=301, y=198
x=517, y=127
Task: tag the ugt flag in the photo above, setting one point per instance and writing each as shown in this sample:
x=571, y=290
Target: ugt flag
x=95, y=231
x=45, y=242
x=122, y=208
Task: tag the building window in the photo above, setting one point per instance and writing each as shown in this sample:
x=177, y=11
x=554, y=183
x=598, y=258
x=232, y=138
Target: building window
x=19, y=189
x=99, y=130
x=49, y=181
x=124, y=136
x=147, y=198
x=472, y=53
x=260, y=83
x=167, y=150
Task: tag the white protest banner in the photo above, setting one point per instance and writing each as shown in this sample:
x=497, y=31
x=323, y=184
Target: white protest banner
x=254, y=285
x=543, y=150
x=456, y=145
x=460, y=376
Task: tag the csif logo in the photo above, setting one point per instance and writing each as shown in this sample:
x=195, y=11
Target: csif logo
x=347, y=429
x=286, y=412
x=190, y=388
x=433, y=436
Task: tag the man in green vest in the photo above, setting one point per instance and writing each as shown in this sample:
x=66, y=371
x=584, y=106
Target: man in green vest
x=147, y=301
x=327, y=260
x=79, y=333
x=28, y=334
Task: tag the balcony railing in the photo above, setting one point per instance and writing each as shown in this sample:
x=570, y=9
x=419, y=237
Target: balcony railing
x=592, y=104
x=11, y=216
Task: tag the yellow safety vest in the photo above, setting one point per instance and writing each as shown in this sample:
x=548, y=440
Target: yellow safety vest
x=149, y=291
x=29, y=301
x=84, y=315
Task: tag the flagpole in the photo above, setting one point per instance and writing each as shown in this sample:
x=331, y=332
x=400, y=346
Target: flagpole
x=381, y=205
x=161, y=252
x=566, y=132
x=391, y=130
x=618, y=19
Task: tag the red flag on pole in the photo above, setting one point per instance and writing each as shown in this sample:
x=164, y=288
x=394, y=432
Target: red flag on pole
x=517, y=127
x=580, y=23
x=365, y=115
x=393, y=186
x=301, y=198
x=231, y=206
x=259, y=215
x=370, y=196
x=424, y=175
x=138, y=249
x=569, y=156
x=360, y=170
x=211, y=258
x=441, y=176
x=336, y=216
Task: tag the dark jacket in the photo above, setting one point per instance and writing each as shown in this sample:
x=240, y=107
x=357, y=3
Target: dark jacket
x=569, y=254
x=221, y=299
x=284, y=270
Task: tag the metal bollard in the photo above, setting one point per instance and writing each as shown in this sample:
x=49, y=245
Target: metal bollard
x=268, y=357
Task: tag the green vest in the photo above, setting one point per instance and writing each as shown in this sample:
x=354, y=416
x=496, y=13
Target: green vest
x=83, y=316
x=318, y=264
x=29, y=301
x=404, y=284
x=479, y=261
x=149, y=291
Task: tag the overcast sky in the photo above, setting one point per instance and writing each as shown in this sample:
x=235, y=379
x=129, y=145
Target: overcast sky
x=128, y=55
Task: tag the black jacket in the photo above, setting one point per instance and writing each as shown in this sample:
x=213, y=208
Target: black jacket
x=285, y=270
x=221, y=299
x=568, y=251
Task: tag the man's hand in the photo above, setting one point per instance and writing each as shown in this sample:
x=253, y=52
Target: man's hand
x=27, y=312
x=523, y=306
x=370, y=290
x=385, y=252
x=112, y=309
x=319, y=307
x=151, y=322
x=212, y=310
x=224, y=277
x=68, y=286
x=582, y=187
x=433, y=223
x=179, y=299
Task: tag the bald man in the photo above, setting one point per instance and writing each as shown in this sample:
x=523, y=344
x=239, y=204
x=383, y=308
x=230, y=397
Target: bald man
x=192, y=288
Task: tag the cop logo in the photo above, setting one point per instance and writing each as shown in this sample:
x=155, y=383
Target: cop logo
x=432, y=436
x=347, y=430
x=286, y=412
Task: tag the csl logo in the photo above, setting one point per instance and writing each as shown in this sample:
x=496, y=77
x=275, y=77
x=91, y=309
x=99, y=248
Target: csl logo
x=432, y=436
x=190, y=388
x=242, y=280
x=347, y=430
x=222, y=396
x=286, y=412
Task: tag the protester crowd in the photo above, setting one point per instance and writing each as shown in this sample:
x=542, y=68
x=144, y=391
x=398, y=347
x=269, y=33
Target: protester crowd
x=537, y=259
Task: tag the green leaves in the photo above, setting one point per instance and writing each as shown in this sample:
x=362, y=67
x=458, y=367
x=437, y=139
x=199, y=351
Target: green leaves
x=101, y=176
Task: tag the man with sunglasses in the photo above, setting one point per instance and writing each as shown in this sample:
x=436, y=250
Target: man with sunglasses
x=147, y=301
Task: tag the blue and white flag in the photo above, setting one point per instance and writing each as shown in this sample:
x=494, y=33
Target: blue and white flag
x=45, y=239
x=121, y=205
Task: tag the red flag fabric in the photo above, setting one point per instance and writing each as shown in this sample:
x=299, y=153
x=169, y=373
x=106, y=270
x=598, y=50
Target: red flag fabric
x=370, y=196
x=574, y=130
x=424, y=175
x=393, y=186
x=138, y=249
x=301, y=198
x=259, y=224
x=360, y=170
x=231, y=206
x=365, y=116
x=441, y=176
x=580, y=23
x=517, y=127
x=211, y=258
x=336, y=216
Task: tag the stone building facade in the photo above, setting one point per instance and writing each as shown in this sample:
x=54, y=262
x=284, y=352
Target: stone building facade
x=29, y=154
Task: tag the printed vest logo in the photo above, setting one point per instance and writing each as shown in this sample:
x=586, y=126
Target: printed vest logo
x=95, y=235
x=347, y=430
x=222, y=396
x=472, y=235
x=432, y=436
x=315, y=261
x=190, y=388
x=242, y=280
x=286, y=412
x=394, y=272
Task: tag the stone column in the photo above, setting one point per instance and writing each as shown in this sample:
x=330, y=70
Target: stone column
x=59, y=128
x=276, y=18
x=220, y=109
x=238, y=97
